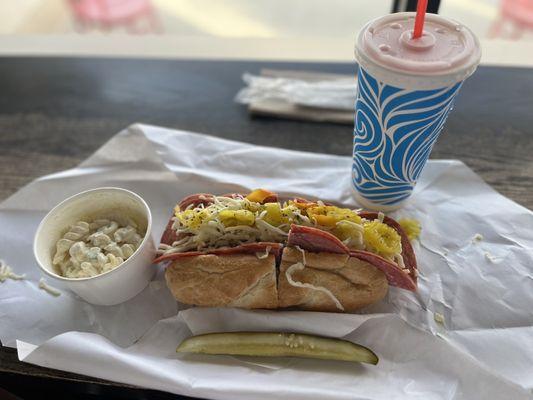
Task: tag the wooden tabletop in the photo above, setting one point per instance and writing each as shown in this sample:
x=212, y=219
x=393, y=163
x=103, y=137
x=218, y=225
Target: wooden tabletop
x=55, y=112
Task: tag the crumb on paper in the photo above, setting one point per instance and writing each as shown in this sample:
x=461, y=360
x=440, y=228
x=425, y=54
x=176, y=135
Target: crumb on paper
x=438, y=317
x=6, y=272
x=491, y=258
x=47, y=288
x=478, y=237
x=156, y=285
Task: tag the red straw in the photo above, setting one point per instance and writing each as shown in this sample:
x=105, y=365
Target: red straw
x=420, y=16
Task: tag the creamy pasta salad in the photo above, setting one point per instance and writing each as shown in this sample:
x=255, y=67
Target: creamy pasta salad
x=92, y=248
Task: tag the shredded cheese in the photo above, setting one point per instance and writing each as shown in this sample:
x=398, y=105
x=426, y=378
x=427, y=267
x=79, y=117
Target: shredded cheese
x=270, y=228
x=354, y=241
x=49, y=289
x=6, y=272
x=201, y=228
x=381, y=216
x=352, y=224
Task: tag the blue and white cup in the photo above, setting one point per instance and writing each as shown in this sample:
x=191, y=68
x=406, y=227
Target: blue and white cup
x=403, y=99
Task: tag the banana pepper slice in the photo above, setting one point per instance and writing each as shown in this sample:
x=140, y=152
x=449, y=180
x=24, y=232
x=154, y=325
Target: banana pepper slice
x=270, y=344
x=236, y=217
x=259, y=195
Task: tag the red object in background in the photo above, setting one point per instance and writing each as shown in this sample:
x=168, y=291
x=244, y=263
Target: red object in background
x=518, y=14
x=136, y=16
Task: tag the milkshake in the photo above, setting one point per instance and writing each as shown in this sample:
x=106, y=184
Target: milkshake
x=406, y=89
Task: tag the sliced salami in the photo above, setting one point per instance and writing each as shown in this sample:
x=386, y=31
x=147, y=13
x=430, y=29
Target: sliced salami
x=175, y=256
x=309, y=203
x=169, y=235
x=408, y=253
x=246, y=248
x=270, y=199
x=301, y=200
x=315, y=240
x=395, y=276
x=234, y=196
x=196, y=199
x=273, y=198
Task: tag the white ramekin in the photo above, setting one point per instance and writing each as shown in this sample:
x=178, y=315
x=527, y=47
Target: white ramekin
x=119, y=284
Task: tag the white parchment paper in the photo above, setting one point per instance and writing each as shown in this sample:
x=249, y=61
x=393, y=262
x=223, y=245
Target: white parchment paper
x=483, y=289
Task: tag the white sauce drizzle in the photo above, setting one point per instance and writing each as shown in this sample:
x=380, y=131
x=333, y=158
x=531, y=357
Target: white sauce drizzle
x=299, y=266
x=264, y=255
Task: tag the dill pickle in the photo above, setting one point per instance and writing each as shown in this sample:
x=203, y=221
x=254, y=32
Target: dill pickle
x=269, y=344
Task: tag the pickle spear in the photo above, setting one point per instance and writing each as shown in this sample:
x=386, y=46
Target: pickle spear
x=270, y=344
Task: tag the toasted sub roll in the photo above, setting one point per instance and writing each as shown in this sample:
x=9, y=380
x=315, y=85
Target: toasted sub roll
x=352, y=282
x=253, y=251
x=227, y=280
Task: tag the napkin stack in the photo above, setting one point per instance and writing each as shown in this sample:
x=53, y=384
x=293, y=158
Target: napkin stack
x=301, y=95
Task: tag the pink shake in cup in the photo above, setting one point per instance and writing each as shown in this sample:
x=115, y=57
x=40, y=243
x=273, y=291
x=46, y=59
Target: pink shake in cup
x=406, y=89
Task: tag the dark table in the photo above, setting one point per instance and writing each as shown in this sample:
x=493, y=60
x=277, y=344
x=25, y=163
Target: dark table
x=54, y=112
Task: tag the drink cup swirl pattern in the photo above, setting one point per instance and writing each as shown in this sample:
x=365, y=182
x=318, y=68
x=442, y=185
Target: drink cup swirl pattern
x=394, y=132
x=406, y=89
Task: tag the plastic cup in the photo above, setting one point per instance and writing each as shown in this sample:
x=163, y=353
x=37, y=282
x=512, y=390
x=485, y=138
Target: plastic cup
x=406, y=89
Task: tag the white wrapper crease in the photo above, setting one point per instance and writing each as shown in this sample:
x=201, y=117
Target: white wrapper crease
x=483, y=289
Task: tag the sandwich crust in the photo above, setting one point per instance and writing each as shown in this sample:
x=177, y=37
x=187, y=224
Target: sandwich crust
x=353, y=282
x=229, y=280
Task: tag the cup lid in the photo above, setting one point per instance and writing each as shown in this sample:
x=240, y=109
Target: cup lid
x=445, y=50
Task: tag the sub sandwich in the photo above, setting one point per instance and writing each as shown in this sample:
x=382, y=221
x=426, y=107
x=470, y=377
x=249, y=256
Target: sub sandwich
x=253, y=251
